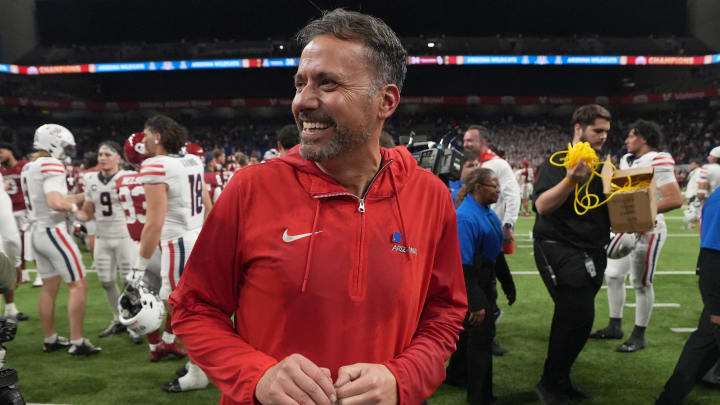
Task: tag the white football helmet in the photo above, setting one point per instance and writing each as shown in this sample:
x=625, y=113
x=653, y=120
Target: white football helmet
x=621, y=244
x=140, y=310
x=56, y=139
x=271, y=153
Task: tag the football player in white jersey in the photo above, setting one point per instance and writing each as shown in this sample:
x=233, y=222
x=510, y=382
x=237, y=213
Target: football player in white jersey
x=55, y=252
x=526, y=181
x=176, y=198
x=709, y=175
x=641, y=261
x=691, y=213
x=9, y=235
x=113, y=250
x=132, y=197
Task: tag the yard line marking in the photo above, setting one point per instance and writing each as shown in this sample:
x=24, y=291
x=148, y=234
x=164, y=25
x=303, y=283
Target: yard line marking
x=667, y=272
x=658, y=305
x=666, y=217
x=683, y=330
x=86, y=271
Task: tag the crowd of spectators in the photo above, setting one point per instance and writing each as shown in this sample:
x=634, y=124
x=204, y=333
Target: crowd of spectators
x=689, y=134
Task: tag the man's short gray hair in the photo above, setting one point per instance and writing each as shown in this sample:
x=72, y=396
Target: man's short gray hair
x=385, y=52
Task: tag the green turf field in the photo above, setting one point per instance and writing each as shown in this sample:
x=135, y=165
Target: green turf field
x=122, y=374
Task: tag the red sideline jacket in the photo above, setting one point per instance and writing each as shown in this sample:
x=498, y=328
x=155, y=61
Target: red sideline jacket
x=308, y=268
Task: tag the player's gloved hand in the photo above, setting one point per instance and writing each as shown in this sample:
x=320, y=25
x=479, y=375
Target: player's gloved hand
x=133, y=280
x=135, y=277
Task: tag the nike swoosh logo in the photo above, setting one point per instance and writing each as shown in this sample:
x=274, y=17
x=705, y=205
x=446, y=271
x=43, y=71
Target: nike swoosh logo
x=292, y=238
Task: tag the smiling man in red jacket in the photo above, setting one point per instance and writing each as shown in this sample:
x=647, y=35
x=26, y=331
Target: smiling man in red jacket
x=340, y=260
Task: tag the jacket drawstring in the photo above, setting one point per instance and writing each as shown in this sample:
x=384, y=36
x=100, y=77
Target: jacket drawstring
x=402, y=220
x=310, y=247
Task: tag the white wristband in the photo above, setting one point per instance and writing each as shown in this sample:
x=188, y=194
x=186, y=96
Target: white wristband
x=74, y=207
x=142, y=263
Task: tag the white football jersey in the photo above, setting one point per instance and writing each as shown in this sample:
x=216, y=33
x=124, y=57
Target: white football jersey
x=109, y=214
x=663, y=163
x=39, y=177
x=710, y=174
x=184, y=177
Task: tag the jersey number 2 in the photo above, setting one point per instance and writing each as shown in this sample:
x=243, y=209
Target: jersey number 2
x=196, y=204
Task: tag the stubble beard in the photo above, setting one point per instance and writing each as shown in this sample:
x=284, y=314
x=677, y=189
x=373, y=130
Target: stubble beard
x=343, y=141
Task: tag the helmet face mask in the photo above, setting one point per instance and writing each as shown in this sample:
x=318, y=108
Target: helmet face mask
x=141, y=311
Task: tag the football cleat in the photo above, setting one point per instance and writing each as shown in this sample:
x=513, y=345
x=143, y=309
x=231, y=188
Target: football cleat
x=607, y=333
x=84, y=349
x=115, y=328
x=631, y=345
x=134, y=337
x=164, y=349
x=59, y=343
x=21, y=317
x=195, y=379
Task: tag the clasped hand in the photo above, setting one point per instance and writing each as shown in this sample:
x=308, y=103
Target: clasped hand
x=297, y=380
x=578, y=173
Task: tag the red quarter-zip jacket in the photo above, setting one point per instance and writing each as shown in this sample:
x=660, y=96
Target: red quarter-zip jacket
x=308, y=268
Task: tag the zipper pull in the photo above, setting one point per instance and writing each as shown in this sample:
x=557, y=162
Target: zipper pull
x=361, y=206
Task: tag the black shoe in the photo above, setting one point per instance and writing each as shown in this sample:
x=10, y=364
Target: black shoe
x=115, y=328
x=578, y=394
x=173, y=386
x=135, y=339
x=84, y=349
x=631, y=345
x=548, y=397
x=58, y=344
x=21, y=317
x=607, y=333
x=498, y=350
x=181, y=371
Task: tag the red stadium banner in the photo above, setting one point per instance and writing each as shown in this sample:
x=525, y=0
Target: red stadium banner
x=652, y=98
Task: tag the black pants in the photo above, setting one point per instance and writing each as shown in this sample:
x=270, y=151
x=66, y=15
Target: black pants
x=573, y=292
x=471, y=364
x=702, y=348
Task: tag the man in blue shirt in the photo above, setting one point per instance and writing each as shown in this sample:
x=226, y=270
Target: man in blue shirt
x=702, y=348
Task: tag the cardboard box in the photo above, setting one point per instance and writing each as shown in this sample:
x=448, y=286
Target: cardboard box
x=631, y=211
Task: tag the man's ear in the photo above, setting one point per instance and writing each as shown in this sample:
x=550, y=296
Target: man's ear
x=390, y=100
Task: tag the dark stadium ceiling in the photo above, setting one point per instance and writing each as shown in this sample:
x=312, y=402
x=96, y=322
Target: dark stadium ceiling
x=86, y=22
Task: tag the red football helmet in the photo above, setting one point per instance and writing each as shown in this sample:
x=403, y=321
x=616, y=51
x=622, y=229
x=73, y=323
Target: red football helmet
x=134, y=149
x=195, y=149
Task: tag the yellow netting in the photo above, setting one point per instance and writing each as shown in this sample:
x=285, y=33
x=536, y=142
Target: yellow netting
x=583, y=151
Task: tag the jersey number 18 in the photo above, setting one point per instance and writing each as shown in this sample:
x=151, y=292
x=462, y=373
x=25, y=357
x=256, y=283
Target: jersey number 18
x=196, y=204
